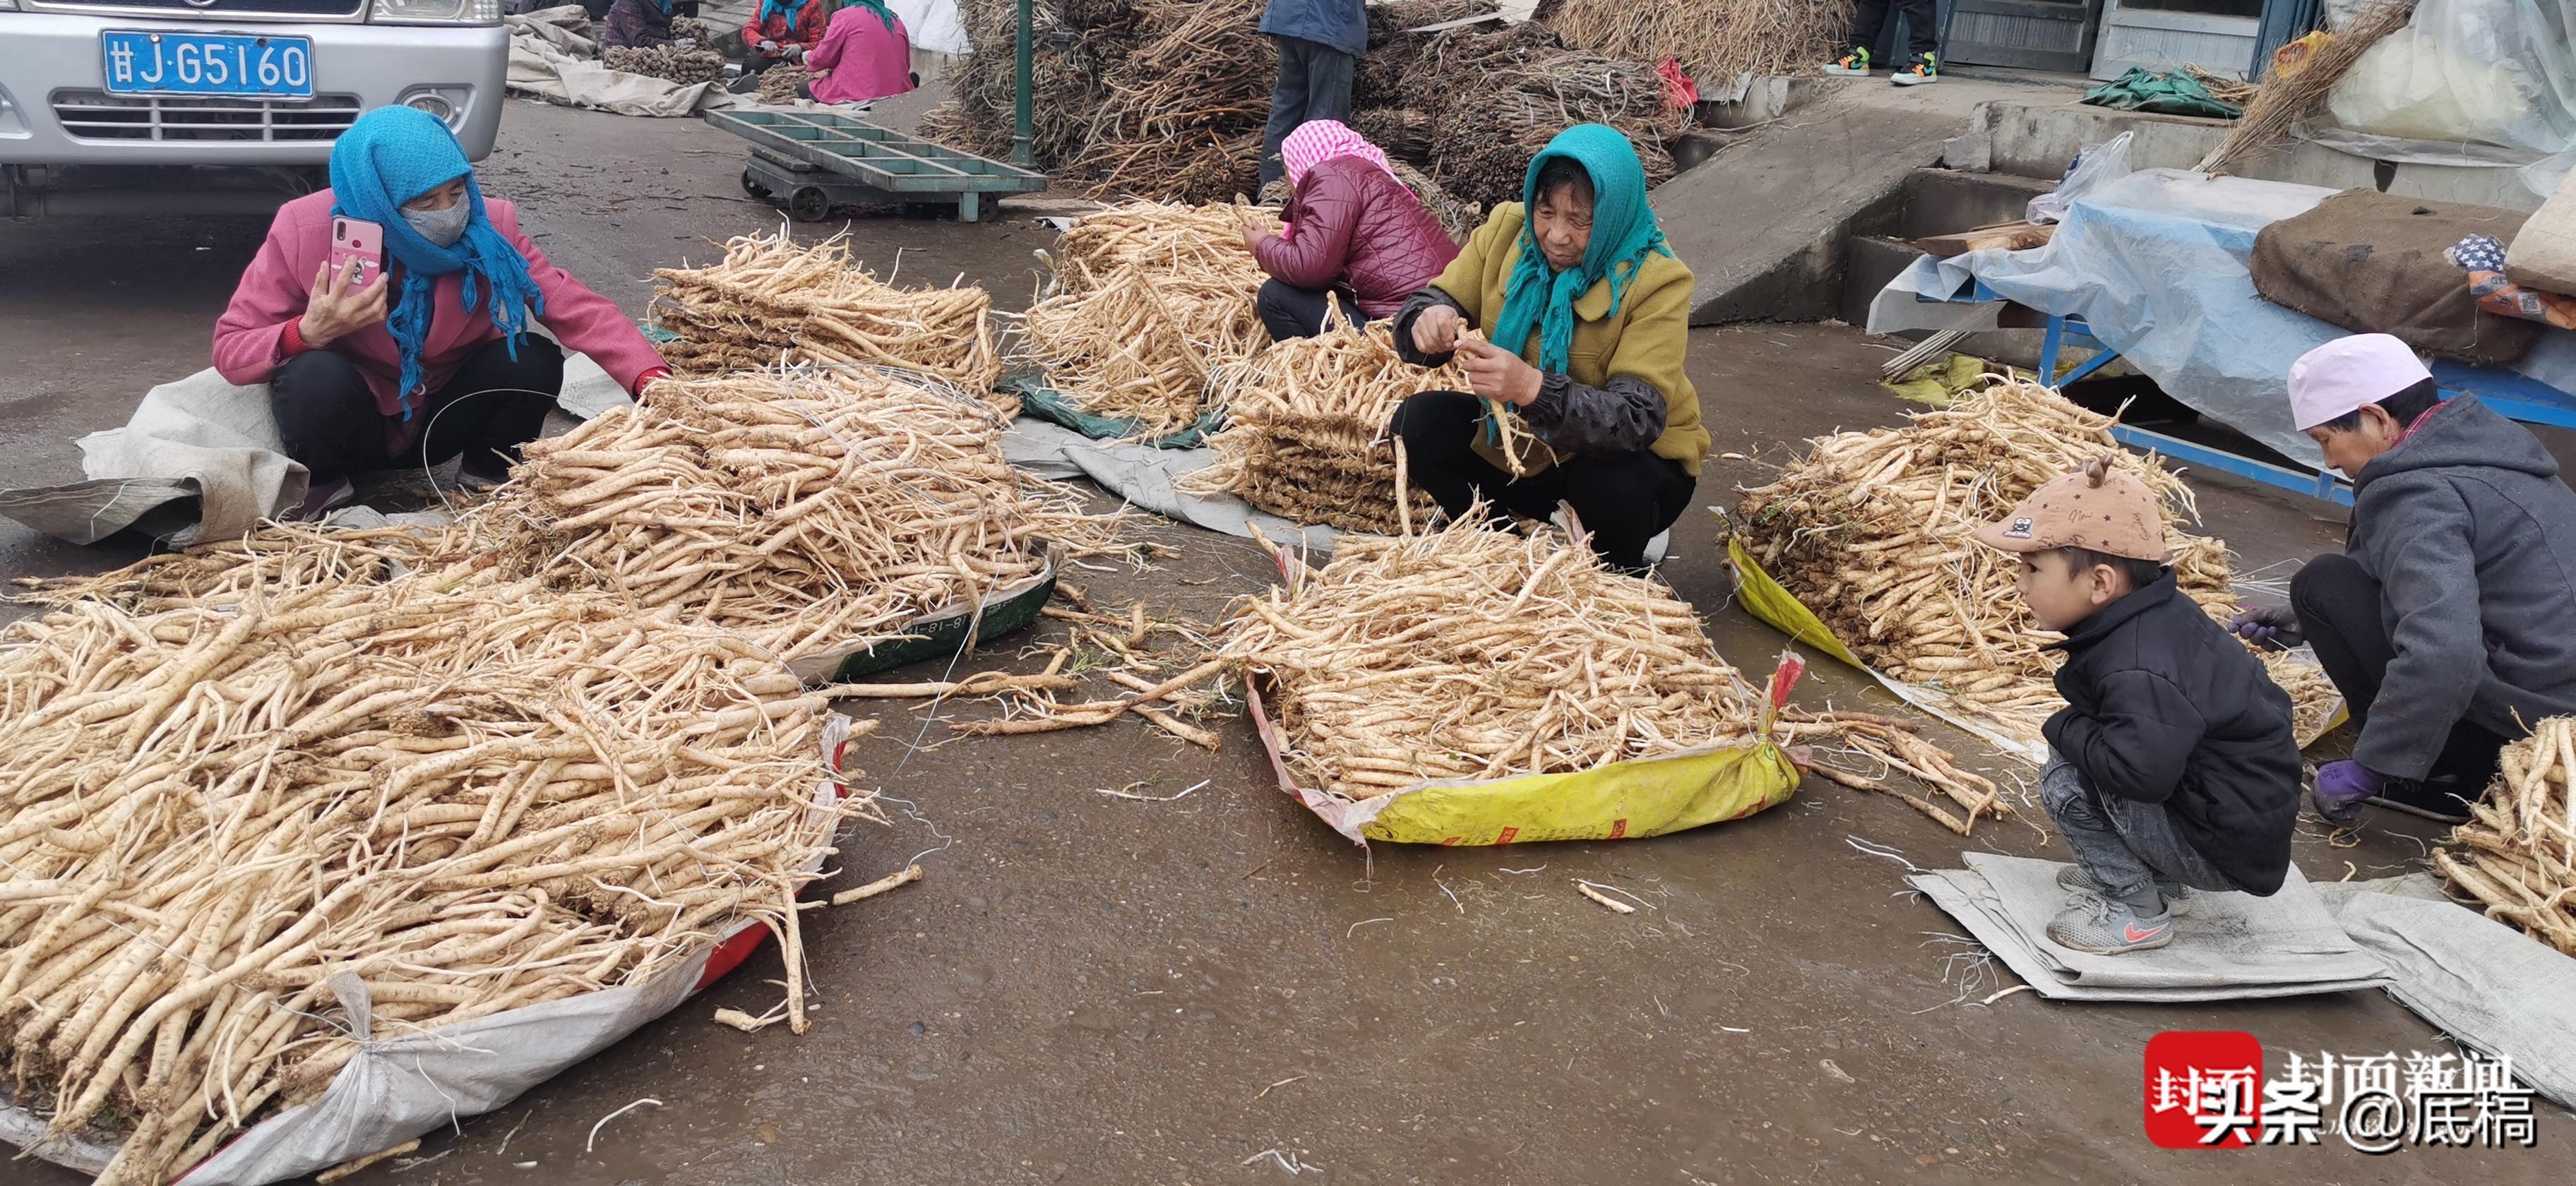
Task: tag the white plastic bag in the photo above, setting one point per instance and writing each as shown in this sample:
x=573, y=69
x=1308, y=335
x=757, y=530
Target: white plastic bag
x=2096, y=166
x=2492, y=72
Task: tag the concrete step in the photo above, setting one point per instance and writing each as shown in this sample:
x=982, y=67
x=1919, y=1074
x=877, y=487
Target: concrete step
x=1870, y=261
x=1940, y=201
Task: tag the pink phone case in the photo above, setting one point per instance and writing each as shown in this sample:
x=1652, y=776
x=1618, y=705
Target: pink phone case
x=359, y=239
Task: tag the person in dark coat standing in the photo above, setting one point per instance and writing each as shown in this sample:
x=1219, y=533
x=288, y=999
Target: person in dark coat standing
x=1352, y=229
x=2173, y=763
x=637, y=24
x=1320, y=43
x=2449, y=622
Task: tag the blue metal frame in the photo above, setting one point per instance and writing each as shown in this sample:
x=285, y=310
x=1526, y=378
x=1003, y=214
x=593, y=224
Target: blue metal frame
x=2517, y=397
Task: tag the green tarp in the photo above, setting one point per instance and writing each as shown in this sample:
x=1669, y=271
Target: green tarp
x=2165, y=94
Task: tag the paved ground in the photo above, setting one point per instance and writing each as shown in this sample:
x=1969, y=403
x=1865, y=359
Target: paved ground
x=1089, y=989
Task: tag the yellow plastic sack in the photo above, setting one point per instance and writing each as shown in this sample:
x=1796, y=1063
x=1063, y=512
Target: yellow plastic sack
x=1620, y=801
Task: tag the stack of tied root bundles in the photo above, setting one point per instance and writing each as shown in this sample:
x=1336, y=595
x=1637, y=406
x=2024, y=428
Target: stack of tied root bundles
x=669, y=63
x=812, y=511
x=1149, y=300
x=1306, y=429
x=1717, y=41
x=1872, y=531
x=229, y=817
x=2517, y=853
x=771, y=301
x=1473, y=653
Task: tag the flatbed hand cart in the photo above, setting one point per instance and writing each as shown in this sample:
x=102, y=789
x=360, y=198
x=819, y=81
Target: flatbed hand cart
x=806, y=162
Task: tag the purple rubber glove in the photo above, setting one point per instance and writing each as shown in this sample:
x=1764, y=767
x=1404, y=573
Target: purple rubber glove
x=2341, y=788
x=2272, y=625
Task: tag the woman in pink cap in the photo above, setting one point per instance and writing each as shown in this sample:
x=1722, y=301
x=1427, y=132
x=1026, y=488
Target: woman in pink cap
x=1353, y=231
x=2449, y=620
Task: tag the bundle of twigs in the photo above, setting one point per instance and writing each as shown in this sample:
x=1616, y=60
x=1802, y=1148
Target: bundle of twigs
x=1185, y=110
x=1500, y=96
x=2233, y=91
x=1067, y=77
x=806, y=510
x=1306, y=429
x=2291, y=97
x=1149, y=300
x=1472, y=653
x=1715, y=40
x=1872, y=531
x=2517, y=854
x=667, y=62
x=246, y=832
x=771, y=301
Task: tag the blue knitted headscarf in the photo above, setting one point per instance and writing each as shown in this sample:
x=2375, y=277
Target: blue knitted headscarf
x=390, y=156
x=1623, y=235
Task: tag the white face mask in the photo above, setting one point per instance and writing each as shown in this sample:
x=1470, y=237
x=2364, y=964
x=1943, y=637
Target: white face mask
x=442, y=227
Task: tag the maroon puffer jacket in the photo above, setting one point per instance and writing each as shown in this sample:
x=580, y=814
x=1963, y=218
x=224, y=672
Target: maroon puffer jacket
x=1358, y=226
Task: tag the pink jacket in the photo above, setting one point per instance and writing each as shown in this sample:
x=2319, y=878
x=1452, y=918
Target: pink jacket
x=250, y=334
x=867, y=59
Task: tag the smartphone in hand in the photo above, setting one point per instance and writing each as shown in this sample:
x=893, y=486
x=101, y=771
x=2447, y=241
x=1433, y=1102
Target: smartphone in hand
x=363, y=241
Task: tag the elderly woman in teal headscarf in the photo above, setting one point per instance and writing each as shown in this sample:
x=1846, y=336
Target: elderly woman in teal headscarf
x=784, y=31
x=1579, y=393
x=433, y=359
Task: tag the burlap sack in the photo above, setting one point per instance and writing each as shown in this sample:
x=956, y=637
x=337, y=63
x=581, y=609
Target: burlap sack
x=2372, y=263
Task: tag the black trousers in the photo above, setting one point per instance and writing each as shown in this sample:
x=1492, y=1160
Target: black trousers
x=493, y=405
x=1314, y=83
x=1623, y=500
x=1922, y=25
x=2339, y=611
x=1292, y=312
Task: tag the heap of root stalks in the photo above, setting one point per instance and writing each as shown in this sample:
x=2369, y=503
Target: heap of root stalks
x=1715, y=40
x=778, y=87
x=1873, y=531
x=771, y=301
x=229, y=817
x=1472, y=653
x=1149, y=300
x=807, y=511
x=667, y=62
x=1306, y=429
x=2518, y=852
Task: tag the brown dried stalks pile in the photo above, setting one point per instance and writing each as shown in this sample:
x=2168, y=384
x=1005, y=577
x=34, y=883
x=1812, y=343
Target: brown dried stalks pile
x=1715, y=40
x=804, y=510
x=1471, y=653
x=1872, y=531
x=1306, y=429
x=2517, y=854
x=230, y=815
x=778, y=86
x=772, y=301
x=1149, y=299
x=668, y=62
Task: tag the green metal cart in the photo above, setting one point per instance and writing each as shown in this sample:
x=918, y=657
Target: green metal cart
x=806, y=162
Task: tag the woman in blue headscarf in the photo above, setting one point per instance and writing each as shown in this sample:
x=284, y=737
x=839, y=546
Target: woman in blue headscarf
x=783, y=31
x=432, y=360
x=1587, y=314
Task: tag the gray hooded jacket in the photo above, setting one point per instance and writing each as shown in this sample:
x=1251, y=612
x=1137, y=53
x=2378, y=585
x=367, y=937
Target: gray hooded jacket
x=2472, y=537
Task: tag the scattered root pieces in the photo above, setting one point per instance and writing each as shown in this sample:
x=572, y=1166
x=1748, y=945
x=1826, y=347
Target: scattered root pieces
x=910, y=874
x=2517, y=854
x=772, y=301
x=1471, y=653
x=227, y=817
x=1872, y=531
x=1306, y=430
x=1616, y=906
x=346, y=1168
x=1149, y=299
x=1897, y=747
x=748, y=1023
x=813, y=511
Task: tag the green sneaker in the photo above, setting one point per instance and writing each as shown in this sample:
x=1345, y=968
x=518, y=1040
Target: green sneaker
x=1851, y=65
x=2104, y=926
x=1924, y=68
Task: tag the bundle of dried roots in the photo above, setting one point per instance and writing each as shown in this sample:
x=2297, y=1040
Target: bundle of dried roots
x=2517, y=854
x=670, y=63
x=1149, y=300
x=771, y=301
x=1872, y=531
x=1715, y=40
x=778, y=86
x=1472, y=653
x=244, y=833
x=1306, y=429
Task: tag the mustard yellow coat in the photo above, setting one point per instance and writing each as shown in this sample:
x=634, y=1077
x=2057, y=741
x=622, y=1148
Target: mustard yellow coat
x=1646, y=339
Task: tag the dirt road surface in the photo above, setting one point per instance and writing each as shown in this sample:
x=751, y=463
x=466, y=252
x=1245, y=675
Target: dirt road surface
x=1214, y=988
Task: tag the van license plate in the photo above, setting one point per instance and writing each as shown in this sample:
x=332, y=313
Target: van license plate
x=141, y=63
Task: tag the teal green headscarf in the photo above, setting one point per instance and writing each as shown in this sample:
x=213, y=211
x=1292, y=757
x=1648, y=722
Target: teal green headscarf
x=1623, y=235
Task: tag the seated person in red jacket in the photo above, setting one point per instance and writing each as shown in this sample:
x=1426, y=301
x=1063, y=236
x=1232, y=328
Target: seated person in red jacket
x=1353, y=231
x=431, y=360
x=784, y=31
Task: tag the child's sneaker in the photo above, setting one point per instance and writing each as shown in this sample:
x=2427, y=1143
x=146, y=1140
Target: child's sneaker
x=2106, y=926
x=1851, y=65
x=1924, y=68
x=2074, y=880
